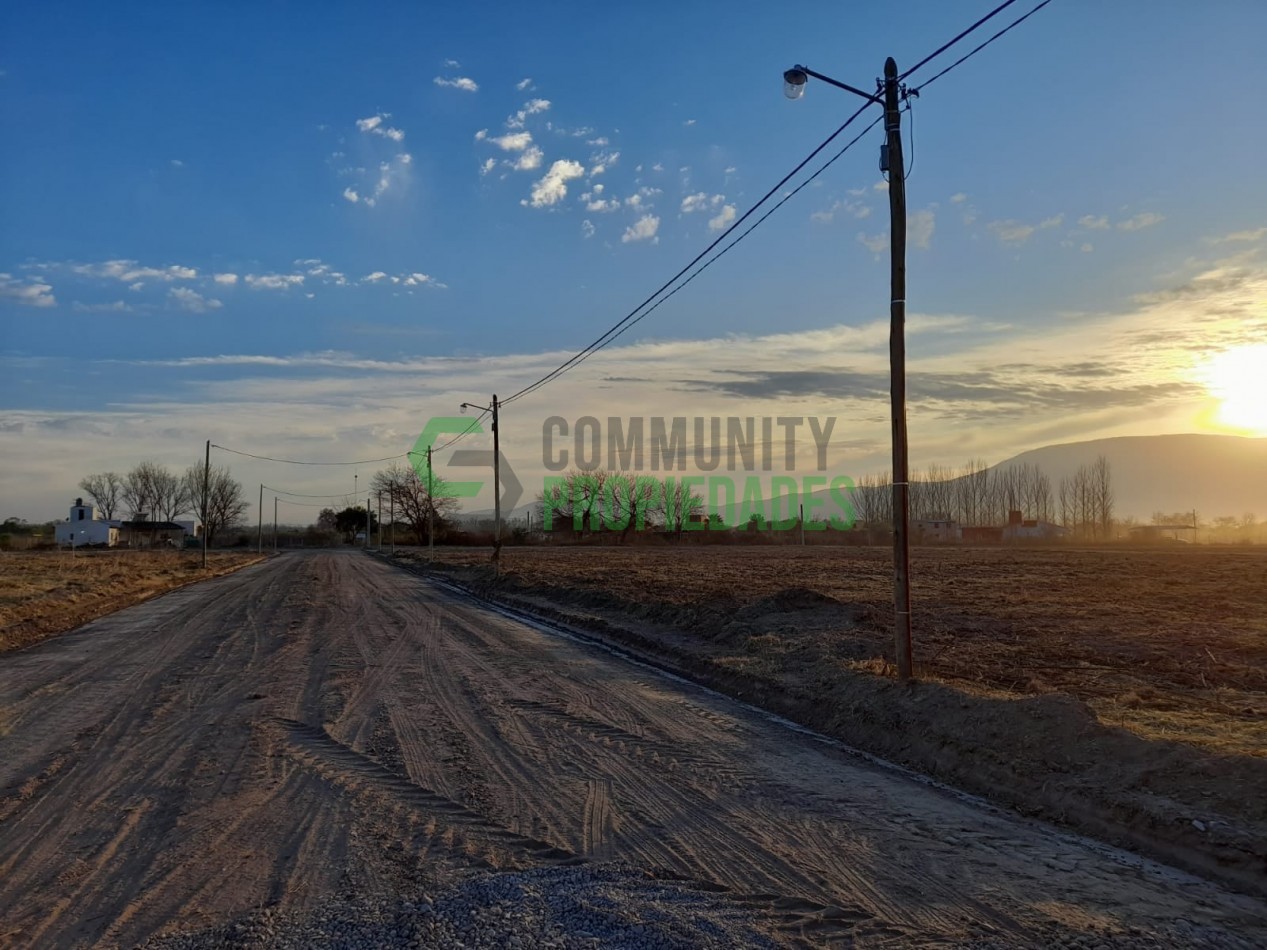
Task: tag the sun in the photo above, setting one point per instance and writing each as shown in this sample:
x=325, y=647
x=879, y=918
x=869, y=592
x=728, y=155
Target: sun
x=1237, y=378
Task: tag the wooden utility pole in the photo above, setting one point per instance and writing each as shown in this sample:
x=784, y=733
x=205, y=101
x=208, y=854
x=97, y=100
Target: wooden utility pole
x=802, y=526
x=431, y=508
x=206, y=500
x=274, y=524
x=259, y=530
x=391, y=516
x=497, y=491
x=892, y=163
x=380, y=520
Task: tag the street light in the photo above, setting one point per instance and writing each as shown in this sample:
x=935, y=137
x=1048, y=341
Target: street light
x=794, y=83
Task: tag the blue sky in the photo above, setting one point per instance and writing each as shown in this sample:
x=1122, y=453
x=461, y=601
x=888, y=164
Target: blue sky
x=305, y=228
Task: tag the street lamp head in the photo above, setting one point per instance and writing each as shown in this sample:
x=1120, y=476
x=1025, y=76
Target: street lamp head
x=794, y=83
x=463, y=408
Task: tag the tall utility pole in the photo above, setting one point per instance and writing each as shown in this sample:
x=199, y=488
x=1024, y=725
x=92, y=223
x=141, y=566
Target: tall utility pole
x=206, y=498
x=380, y=521
x=794, y=81
x=391, y=515
x=892, y=163
x=369, y=529
x=497, y=490
x=274, y=524
x=431, y=508
x=259, y=531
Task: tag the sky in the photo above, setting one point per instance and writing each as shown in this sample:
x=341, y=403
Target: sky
x=302, y=230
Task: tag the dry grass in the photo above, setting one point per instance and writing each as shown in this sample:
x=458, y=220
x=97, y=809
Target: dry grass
x=46, y=593
x=1169, y=644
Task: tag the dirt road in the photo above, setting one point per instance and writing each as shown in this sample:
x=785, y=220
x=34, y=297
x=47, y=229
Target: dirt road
x=324, y=723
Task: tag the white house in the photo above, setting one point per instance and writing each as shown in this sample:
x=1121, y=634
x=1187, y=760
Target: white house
x=84, y=527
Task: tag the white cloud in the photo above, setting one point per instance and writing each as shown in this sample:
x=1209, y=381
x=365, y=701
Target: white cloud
x=373, y=278
x=599, y=142
x=416, y=279
x=601, y=205
x=512, y=141
x=523, y=84
x=1141, y=221
x=724, y=218
x=1093, y=223
x=700, y=202
x=193, y=301
x=351, y=195
x=226, y=279
x=452, y=64
x=273, y=281
x=958, y=199
x=374, y=125
x=27, y=292
x=644, y=229
x=532, y=107
x=1017, y=232
x=130, y=271
x=881, y=186
x=587, y=228
x=488, y=166
x=529, y=160
x=552, y=188
x=919, y=227
x=177, y=163
x=689, y=122
x=602, y=161
x=1236, y=236
x=876, y=244
x=465, y=83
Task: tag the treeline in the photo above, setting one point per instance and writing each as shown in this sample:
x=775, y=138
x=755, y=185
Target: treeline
x=977, y=495
x=155, y=493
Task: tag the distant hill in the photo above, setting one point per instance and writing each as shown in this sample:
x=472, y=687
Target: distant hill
x=1215, y=474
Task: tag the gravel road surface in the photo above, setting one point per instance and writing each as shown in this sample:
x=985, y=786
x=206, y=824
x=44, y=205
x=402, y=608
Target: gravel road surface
x=324, y=749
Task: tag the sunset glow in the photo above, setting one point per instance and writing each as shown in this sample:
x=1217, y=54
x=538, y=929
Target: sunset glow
x=1238, y=379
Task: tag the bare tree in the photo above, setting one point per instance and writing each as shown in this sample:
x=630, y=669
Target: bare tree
x=152, y=490
x=630, y=497
x=104, y=489
x=423, y=507
x=1102, y=486
x=575, y=497
x=677, y=503
x=226, y=501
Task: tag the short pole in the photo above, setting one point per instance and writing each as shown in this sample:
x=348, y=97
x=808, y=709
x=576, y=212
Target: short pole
x=274, y=524
x=259, y=530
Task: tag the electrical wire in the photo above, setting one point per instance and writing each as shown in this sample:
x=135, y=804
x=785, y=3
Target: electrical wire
x=707, y=264
x=267, y=458
x=945, y=46
x=910, y=110
x=606, y=337
x=461, y=435
x=1015, y=23
x=295, y=494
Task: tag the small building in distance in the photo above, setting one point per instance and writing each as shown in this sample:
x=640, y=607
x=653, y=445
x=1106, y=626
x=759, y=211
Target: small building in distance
x=1151, y=533
x=937, y=531
x=85, y=528
x=1020, y=528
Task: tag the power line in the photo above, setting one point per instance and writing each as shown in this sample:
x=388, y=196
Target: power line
x=615, y=328
x=465, y=432
x=267, y=458
x=707, y=264
x=945, y=46
x=1015, y=23
x=295, y=494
